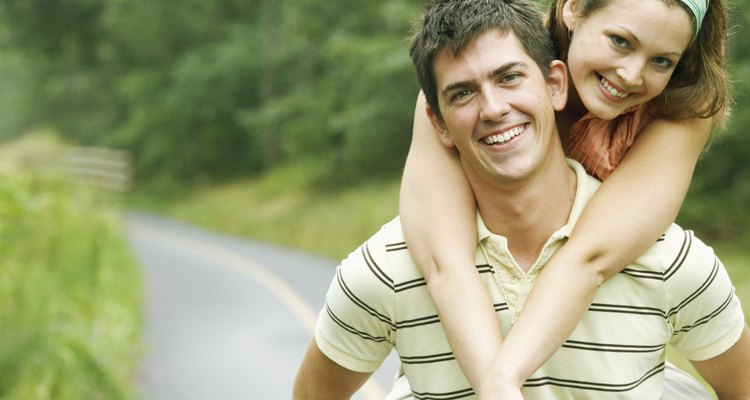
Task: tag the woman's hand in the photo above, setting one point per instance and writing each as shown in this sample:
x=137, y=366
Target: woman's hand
x=497, y=387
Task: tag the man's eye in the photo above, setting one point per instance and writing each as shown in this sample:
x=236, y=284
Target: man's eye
x=460, y=94
x=509, y=78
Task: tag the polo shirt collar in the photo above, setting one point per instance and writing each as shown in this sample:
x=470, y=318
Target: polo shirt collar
x=586, y=185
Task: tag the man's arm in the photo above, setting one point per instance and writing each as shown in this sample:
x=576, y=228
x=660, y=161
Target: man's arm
x=729, y=372
x=321, y=378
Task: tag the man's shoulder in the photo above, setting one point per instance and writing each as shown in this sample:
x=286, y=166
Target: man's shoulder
x=389, y=236
x=705, y=315
x=675, y=249
x=386, y=250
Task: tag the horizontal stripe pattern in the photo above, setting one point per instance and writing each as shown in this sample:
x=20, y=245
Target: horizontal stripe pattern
x=455, y=394
x=352, y=330
x=380, y=298
x=612, y=347
x=674, y=267
x=595, y=386
x=358, y=302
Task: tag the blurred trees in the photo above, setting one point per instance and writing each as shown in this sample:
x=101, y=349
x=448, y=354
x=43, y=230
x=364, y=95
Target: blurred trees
x=717, y=205
x=213, y=89
x=206, y=90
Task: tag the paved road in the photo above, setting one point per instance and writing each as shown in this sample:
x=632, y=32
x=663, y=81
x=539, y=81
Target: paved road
x=227, y=318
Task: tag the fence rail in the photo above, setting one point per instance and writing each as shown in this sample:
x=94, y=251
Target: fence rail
x=91, y=166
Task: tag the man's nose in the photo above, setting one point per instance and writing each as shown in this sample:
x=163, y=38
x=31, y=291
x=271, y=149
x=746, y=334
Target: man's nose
x=494, y=105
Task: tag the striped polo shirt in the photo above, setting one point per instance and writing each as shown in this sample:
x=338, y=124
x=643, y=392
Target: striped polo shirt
x=677, y=292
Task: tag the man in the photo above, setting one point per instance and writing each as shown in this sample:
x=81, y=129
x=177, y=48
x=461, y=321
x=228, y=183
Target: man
x=487, y=69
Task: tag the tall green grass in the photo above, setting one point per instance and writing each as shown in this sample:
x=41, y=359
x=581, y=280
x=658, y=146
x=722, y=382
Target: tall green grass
x=70, y=294
x=287, y=208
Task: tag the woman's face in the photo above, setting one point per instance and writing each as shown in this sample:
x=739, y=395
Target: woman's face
x=623, y=54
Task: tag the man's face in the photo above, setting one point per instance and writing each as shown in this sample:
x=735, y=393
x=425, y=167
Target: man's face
x=497, y=108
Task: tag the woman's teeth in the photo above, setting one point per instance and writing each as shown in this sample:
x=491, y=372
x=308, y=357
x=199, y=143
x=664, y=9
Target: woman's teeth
x=612, y=90
x=504, y=137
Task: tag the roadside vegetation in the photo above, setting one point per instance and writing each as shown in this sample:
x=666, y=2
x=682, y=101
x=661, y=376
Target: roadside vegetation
x=284, y=207
x=70, y=293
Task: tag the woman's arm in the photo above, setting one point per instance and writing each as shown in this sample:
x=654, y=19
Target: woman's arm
x=633, y=207
x=438, y=214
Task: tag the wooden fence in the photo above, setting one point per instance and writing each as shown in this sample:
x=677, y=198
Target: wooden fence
x=91, y=166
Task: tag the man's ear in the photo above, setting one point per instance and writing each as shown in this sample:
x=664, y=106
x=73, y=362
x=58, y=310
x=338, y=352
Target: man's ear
x=440, y=128
x=569, y=14
x=557, y=81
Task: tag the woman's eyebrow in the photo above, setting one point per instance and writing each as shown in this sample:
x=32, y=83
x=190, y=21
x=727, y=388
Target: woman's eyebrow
x=637, y=41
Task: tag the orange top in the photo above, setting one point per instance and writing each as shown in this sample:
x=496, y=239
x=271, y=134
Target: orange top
x=599, y=145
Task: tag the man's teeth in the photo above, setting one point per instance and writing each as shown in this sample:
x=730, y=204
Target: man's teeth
x=504, y=137
x=612, y=90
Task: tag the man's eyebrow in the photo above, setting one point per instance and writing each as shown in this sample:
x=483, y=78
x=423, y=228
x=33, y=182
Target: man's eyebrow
x=498, y=71
x=509, y=66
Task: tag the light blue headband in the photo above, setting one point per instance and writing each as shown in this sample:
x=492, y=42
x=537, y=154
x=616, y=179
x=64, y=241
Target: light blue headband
x=698, y=8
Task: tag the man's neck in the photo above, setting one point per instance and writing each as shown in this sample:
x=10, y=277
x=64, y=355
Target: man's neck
x=527, y=213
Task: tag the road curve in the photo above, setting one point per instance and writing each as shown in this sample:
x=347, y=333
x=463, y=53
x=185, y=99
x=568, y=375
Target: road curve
x=225, y=317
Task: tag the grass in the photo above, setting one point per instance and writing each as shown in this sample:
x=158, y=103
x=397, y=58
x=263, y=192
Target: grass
x=70, y=294
x=282, y=208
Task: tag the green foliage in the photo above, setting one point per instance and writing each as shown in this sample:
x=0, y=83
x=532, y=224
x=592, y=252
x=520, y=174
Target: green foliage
x=69, y=295
x=280, y=207
x=210, y=90
x=183, y=123
x=716, y=205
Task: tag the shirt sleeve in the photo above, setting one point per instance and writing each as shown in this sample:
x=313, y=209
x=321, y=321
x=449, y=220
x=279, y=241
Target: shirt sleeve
x=704, y=313
x=355, y=328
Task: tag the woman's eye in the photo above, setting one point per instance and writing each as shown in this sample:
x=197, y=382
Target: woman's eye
x=619, y=41
x=662, y=62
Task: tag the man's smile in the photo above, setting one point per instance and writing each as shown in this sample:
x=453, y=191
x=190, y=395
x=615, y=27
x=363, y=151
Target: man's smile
x=504, y=137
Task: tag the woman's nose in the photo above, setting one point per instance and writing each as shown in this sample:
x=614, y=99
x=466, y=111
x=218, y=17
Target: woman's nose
x=631, y=72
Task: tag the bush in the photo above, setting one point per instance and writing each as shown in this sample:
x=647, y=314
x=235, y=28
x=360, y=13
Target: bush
x=69, y=294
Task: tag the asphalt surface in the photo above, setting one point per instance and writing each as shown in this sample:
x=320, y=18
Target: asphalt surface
x=227, y=318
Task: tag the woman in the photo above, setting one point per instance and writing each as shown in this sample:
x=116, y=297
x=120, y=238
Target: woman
x=650, y=86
